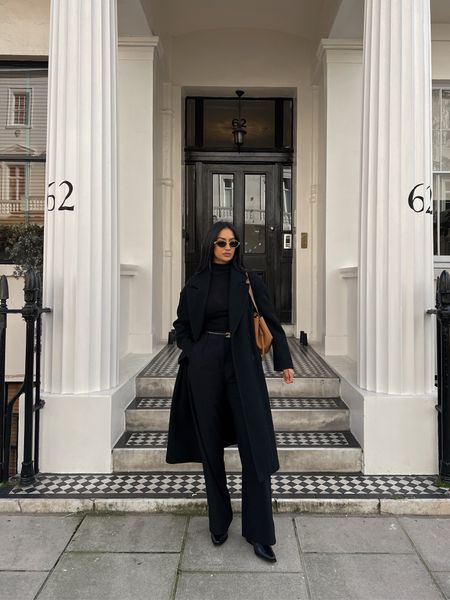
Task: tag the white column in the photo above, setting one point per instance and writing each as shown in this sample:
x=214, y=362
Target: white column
x=81, y=267
x=396, y=262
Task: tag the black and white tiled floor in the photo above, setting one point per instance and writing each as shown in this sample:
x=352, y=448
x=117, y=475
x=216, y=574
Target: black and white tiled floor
x=278, y=403
x=284, y=439
x=191, y=485
x=307, y=363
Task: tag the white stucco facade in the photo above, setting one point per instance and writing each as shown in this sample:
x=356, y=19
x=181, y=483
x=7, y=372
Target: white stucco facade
x=317, y=57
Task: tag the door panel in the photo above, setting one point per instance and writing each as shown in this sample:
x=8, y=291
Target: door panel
x=256, y=199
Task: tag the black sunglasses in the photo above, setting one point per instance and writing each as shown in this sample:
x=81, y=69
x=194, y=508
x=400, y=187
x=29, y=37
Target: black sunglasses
x=223, y=243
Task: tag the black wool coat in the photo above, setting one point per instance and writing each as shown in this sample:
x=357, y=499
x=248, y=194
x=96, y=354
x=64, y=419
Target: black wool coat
x=182, y=445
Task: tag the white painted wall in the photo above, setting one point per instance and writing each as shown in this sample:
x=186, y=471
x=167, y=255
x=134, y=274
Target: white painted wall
x=135, y=143
x=261, y=62
x=158, y=241
x=24, y=28
x=440, y=56
x=343, y=72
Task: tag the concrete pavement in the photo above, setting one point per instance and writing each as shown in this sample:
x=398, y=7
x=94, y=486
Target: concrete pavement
x=170, y=556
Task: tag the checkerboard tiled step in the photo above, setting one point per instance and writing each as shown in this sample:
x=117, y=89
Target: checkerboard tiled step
x=192, y=485
x=313, y=377
x=289, y=414
x=335, y=451
x=313, y=387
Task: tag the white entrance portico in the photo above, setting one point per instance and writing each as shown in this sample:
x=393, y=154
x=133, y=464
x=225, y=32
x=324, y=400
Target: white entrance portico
x=362, y=256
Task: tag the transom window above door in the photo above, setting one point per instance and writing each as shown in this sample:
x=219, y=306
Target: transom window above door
x=268, y=124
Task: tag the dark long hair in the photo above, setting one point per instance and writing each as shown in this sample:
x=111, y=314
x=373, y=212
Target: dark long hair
x=207, y=250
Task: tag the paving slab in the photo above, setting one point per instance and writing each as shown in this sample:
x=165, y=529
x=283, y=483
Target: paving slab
x=236, y=554
x=369, y=577
x=130, y=533
x=352, y=534
x=241, y=586
x=431, y=538
x=443, y=579
x=34, y=543
x=98, y=576
x=21, y=585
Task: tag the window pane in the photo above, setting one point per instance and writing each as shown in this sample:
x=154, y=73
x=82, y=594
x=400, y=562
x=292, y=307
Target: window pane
x=435, y=224
x=445, y=109
x=442, y=199
x=223, y=197
x=190, y=122
x=436, y=110
x=436, y=150
x=23, y=109
x=22, y=197
x=218, y=115
x=445, y=148
x=215, y=116
x=23, y=112
x=255, y=213
x=217, y=129
x=287, y=124
x=287, y=198
x=260, y=116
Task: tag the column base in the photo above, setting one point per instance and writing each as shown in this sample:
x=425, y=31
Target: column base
x=78, y=431
x=398, y=433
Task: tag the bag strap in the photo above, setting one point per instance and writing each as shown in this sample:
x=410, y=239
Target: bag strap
x=250, y=291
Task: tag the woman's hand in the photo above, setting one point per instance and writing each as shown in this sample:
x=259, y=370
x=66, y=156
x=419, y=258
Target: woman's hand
x=288, y=375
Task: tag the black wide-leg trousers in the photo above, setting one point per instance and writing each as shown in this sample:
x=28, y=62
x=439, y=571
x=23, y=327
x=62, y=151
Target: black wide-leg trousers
x=214, y=391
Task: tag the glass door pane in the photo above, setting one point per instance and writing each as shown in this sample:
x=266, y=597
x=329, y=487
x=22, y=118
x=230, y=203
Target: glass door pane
x=223, y=197
x=287, y=198
x=255, y=213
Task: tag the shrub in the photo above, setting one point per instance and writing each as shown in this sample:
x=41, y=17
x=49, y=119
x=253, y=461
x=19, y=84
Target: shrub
x=23, y=246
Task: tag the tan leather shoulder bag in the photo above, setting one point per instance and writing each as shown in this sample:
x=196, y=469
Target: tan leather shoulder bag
x=263, y=336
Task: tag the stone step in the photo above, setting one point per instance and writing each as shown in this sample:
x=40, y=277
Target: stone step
x=288, y=414
x=312, y=451
x=312, y=387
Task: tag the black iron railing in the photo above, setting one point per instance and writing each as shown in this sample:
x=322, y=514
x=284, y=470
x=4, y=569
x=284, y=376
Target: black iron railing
x=442, y=312
x=31, y=312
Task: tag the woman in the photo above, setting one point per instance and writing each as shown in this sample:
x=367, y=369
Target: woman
x=220, y=396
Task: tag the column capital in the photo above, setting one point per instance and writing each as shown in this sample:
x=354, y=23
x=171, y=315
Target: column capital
x=133, y=46
x=337, y=51
x=342, y=50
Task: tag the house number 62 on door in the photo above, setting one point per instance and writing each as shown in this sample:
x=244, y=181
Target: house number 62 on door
x=51, y=199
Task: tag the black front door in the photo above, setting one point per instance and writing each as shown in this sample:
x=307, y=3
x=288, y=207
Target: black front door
x=256, y=198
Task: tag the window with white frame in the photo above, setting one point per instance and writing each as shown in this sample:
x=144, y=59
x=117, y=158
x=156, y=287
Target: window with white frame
x=17, y=174
x=441, y=169
x=19, y=114
x=23, y=136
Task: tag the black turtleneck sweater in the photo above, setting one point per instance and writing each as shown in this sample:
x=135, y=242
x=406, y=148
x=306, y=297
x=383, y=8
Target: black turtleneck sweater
x=216, y=311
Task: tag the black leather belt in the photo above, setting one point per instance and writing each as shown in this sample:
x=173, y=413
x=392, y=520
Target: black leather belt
x=225, y=333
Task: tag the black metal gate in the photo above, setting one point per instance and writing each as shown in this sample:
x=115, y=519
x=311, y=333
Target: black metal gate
x=31, y=313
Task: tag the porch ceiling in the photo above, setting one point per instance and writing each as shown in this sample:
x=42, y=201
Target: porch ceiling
x=305, y=18
x=440, y=11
